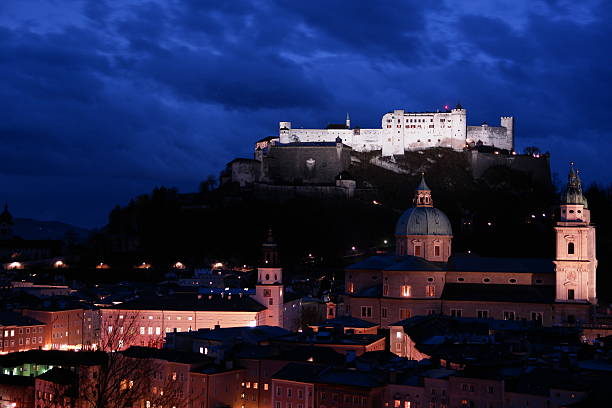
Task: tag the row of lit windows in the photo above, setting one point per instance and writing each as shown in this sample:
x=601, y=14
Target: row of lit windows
x=11, y=343
x=154, y=317
x=11, y=332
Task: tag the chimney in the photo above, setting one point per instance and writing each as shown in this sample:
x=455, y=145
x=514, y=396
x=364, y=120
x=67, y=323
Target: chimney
x=217, y=326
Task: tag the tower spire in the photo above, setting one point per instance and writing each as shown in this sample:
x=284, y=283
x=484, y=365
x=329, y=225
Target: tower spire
x=348, y=120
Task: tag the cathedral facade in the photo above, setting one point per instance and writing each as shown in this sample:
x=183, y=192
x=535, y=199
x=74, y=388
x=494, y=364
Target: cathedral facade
x=423, y=277
x=402, y=131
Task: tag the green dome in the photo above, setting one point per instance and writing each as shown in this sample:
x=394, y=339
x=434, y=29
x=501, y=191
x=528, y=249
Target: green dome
x=423, y=221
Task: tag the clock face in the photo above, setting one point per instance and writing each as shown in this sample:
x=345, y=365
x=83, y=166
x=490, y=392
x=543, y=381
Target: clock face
x=571, y=275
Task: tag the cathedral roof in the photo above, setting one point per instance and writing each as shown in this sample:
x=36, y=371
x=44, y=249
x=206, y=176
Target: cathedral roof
x=483, y=292
x=456, y=263
x=572, y=194
x=397, y=263
x=462, y=263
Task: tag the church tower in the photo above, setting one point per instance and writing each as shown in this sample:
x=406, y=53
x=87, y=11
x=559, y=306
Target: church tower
x=6, y=224
x=269, y=289
x=575, y=260
x=424, y=230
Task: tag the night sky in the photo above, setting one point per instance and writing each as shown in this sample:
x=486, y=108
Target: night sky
x=104, y=100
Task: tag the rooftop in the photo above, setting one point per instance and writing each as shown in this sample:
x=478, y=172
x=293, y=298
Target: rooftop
x=251, y=335
x=53, y=357
x=174, y=356
x=16, y=319
x=191, y=302
x=347, y=322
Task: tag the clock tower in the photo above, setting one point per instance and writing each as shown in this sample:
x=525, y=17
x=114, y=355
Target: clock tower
x=575, y=260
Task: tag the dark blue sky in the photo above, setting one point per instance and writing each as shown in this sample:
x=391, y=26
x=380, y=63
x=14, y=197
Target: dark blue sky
x=103, y=100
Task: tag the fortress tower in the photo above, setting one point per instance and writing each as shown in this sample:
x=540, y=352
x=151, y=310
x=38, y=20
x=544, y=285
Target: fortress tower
x=575, y=260
x=269, y=289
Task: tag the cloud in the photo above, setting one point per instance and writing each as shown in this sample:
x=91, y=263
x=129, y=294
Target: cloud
x=104, y=100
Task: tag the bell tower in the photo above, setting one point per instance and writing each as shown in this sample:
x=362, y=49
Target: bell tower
x=575, y=260
x=269, y=289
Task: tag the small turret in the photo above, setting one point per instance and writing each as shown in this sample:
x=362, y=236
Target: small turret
x=422, y=196
x=348, y=121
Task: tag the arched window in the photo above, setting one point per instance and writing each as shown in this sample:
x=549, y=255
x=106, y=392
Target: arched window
x=570, y=248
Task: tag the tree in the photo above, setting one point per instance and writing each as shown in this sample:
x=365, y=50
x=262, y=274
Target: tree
x=209, y=184
x=531, y=150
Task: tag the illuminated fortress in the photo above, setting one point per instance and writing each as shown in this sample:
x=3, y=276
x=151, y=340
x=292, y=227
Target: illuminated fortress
x=402, y=131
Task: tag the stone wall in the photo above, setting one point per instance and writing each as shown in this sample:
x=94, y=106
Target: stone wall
x=305, y=163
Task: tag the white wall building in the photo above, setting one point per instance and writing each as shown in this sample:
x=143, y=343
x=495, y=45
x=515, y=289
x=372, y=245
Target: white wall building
x=401, y=131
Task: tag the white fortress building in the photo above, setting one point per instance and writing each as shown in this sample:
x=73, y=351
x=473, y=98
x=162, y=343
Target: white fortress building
x=402, y=131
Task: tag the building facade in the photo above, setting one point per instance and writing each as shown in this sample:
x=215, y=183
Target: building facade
x=424, y=278
x=404, y=131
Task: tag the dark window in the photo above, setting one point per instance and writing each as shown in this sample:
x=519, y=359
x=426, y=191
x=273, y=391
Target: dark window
x=437, y=250
x=570, y=248
x=570, y=294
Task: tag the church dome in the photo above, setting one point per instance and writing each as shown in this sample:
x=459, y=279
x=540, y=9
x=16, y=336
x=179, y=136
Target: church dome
x=423, y=221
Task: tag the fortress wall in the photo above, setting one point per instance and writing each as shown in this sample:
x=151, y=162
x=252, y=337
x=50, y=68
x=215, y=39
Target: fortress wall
x=496, y=136
x=537, y=167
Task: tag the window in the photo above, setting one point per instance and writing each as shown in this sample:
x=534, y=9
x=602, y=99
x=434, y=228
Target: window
x=300, y=394
x=460, y=279
x=456, y=312
x=289, y=392
x=266, y=387
x=430, y=290
x=149, y=330
x=386, y=289
x=570, y=248
x=490, y=389
x=351, y=287
x=383, y=312
x=482, y=314
x=406, y=290
x=267, y=293
x=486, y=280
x=270, y=301
x=417, y=250
x=537, y=316
x=512, y=280
x=570, y=294
x=404, y=313
x=509, y=315
x=366, y=311
x=142, y=330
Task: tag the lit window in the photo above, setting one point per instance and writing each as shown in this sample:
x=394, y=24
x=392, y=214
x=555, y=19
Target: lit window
x=406, y=290
x=430, y=290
